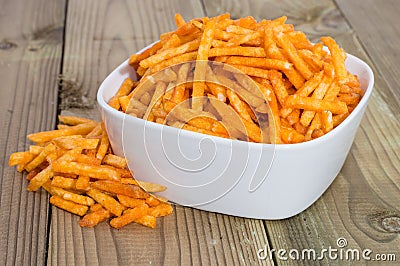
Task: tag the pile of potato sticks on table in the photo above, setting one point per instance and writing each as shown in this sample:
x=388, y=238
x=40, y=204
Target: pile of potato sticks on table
x=300, y=89
x=75, y=164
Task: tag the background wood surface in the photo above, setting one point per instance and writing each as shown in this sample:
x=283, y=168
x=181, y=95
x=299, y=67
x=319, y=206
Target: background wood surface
x=55, y=54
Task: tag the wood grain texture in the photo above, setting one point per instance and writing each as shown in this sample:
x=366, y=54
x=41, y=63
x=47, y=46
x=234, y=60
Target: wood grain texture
x=30, y=57
x=365, y=196
x=99, y=36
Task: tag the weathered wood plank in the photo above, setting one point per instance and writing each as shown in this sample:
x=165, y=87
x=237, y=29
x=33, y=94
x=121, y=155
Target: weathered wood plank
x=30, y=56
x=365, y=197
x=99, y=36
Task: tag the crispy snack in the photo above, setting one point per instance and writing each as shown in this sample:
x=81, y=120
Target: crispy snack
x=283, y=88
x=79, y=170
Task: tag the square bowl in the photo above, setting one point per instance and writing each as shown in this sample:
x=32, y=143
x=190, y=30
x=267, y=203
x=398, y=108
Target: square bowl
x=245, y=179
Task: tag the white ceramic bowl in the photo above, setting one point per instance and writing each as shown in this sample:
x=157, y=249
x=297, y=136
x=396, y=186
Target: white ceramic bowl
x=228, y=176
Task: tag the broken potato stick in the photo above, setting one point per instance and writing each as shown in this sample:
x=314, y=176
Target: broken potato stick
x=69, y=206
x=108, y=202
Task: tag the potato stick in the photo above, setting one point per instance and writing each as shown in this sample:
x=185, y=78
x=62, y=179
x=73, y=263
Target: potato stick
x=238, y=40
x=238, y=105
x=103, y=147
x=311, y=59
x=108, y=202
x=46, y=136
x=67, y=195
x=300, y=128
x=136, y=58
x=73, y=120
x=186, y=29
x=136, y=105
x=145, y=99
x=186, y=57
x=61, y=126
x=337, y=119
x=129, y=216
x=40, y=158
x=147, y=186
x=83, y=158
x=22, y=158
x=294, y=116
x=326, y=121
x=97, y=131
x=298, y=62
x=312, y=104
x=114, y=160
x=120, y=189
x=63, y=182
x=130, y=202
x=299, y=40
x=220, y=44
x=158, y=93
x=310, y=85
x=201, y=66
x=71, y=143
x=93, y=218
x=259, y=62
x=69, y=206
x=96, y=207
x=124, y=103
x=349, y=98
x=41, y=178
x=278, y=86
x=168, y=53
x=124, y=90
x=70, y=155
x=292, y=74
x=179, y=21
x=179, y=90
x=319, y=92
x=289, y=135
x=147, y=220
x=152, y=202
x=238, y=30
x=198, y=130
x=224, y=35
x=242, y=51
x=160, y=210
x=252, y=71
x=94, y=171
x=315, y=124
x=172, y=42
x=82, y=183
x=338, y=59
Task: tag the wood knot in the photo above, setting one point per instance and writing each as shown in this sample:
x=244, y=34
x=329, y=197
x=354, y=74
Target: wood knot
x=7, y=45
x=391, y=224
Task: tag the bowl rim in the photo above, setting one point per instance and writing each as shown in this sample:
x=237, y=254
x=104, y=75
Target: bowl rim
x=307, y=144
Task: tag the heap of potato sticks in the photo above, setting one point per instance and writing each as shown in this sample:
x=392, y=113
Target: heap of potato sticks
x=307, y=90
x=75, y=164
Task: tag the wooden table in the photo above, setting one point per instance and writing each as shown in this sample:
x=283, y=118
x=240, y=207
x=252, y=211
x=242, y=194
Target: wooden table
x=54, y=55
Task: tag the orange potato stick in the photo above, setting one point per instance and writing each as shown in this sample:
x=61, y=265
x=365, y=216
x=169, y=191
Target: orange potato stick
x=278, y=86
x=41, y=178
x=60, y=126
x=252, y=71
x=289, y=135
x=238, y=105
x=294, y=116
x=349, y=98
x=337, y=119
x=338, y=58
x=63, y=182
x=146, y=220
x=169, y=53
x=327, y=121
x=97, y=131
x=129, y=216
x=67, y=195
x=319, y=92
x=124, y=90
x=179, y=21
x=34, y=149
x=162, y=209
x=201, y=65
x=104, y=145
x=284, y=41
x=292, y=74
x=71, y=143
x=73, y=120
x=312, y=104
x=120, y=189
x=94, y=171
x=219, y=44
x=186, y=57
x=83, y=158
x=40, y=158
x=46, y=136
x=83, y=183
x=238, y=30
x=21, y=158
x=172, y=42
x=310, y=85
x=96, y=207
x=243, y=51
x=238, y=40
x=108, y=202
x=136, y=58
x=312, y=60
x=130, y=202
x=147, y=186
x=259, y=62
x=93, y=218
x=114, y=160
x=315, y=125
x=179, y=90
x=152, y=202
x=69, y=206
x=158, y=93
x=180, y=125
